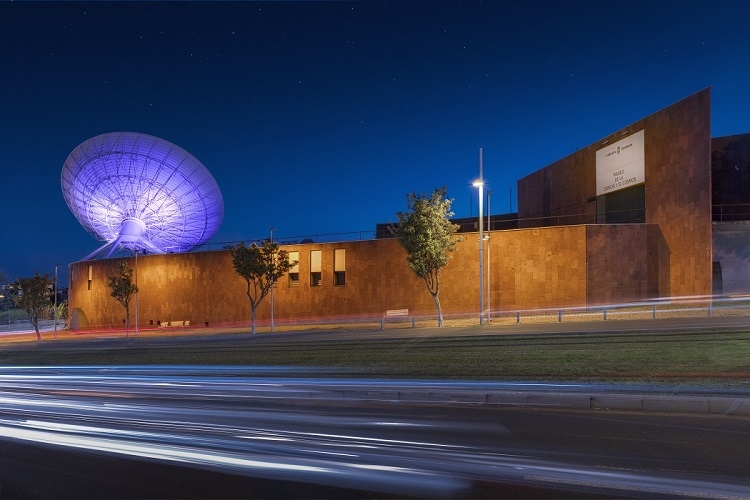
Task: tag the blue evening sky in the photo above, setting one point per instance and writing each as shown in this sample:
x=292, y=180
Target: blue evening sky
x=319, y=117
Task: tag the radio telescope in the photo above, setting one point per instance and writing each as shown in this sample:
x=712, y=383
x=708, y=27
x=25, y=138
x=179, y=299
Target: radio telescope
x=140, y=193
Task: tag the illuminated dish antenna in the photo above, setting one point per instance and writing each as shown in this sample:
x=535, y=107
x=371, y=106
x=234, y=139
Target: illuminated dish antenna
x=137, y=192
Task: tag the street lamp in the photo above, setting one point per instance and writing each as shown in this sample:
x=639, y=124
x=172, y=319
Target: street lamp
x=56, y=287
x=136, y=293
x=274, y=281
x=479, y=183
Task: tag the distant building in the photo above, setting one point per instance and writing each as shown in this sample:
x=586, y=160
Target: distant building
x=655, y=209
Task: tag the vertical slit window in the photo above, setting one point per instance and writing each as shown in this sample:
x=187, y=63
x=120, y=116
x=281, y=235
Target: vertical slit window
x=294, y=270
x=315, y=268
x=339, y=267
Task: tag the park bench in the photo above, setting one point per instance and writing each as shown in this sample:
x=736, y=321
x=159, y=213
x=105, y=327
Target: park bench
x=166, y=324
x=395, y=314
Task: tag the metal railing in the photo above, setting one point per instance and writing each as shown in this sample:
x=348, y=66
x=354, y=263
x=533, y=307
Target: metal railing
x=699, y=306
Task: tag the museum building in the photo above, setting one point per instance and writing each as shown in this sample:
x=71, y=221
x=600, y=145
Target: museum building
x=653, y=210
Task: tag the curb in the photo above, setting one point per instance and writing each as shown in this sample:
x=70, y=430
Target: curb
x=709, y=405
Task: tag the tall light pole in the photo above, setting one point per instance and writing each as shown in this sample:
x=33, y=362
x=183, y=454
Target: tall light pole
x=479, y=183
x=136, y=293
x=55, y=334
x=489, y=228
x=274, y=282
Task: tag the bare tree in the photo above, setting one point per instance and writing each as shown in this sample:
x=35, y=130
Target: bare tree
x=33, y=296
x=427, y=234
x=260, y=266
x=123, y=289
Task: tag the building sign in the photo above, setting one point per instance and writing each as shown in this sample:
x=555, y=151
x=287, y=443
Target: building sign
x=620, y=165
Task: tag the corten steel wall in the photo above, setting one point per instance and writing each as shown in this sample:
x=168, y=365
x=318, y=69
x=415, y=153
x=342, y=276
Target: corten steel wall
x=622, y=262
x=560, y=193
x=677, y=188
x=535, y=268
x=538, y=268
x=203, y=286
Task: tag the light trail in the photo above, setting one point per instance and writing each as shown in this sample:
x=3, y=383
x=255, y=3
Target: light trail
x=233, y=420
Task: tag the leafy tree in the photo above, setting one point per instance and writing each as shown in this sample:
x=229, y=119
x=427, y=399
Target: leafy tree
x=123, y=289
x=427, y=234
x=260, y=266
x=33, y=296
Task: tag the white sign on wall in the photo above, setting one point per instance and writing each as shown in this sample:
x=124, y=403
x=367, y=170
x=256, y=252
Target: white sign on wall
x=620, y=165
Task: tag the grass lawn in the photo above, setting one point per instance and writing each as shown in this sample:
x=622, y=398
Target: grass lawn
x=675, y=356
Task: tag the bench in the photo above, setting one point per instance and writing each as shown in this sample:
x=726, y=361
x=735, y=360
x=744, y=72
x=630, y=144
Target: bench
x=395, y=313
x=166, y=324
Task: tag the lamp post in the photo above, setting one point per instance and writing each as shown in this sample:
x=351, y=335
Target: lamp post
x=55, y=334
x=136, y=293
x=479, y=183
x=273, y=283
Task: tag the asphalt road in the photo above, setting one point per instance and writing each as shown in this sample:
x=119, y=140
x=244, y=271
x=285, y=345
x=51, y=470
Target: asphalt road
x=225, y=432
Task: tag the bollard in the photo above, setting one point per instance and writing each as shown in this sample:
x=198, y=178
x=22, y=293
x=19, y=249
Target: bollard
x=654, y=313
x=710, y=309
x=605, y=314
x=382, y=323
x=412, y=322
x=559, y=315
x=518, y=317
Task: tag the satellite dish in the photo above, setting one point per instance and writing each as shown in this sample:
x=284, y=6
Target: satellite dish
x=141, y=193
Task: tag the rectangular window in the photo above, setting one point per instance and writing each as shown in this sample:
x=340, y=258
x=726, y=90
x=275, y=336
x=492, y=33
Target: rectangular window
x=339, y=267
x=294, y=270
x=91, y=273
x=315, y=268
x=626, y=206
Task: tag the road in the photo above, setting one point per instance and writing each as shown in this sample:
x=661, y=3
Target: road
x=238, y=432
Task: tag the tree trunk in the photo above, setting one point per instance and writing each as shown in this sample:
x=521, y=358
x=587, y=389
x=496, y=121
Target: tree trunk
x=127, y=321
x=252, y=327
x=439, y=311
x=36, y=329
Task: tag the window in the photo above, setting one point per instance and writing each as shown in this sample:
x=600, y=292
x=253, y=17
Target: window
x=315, y=268
x=339, y=267
x=626, y=206
x=294, y=270
x=91, y=272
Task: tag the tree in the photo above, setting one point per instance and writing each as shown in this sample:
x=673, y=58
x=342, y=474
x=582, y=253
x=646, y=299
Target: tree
x=427, y=234
x=260, y=266
x=33, y=295
x=123, y=289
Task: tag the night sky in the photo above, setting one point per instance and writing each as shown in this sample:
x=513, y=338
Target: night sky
x=319, y=117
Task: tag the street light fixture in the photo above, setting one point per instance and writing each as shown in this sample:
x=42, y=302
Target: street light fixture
x=479, y=183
